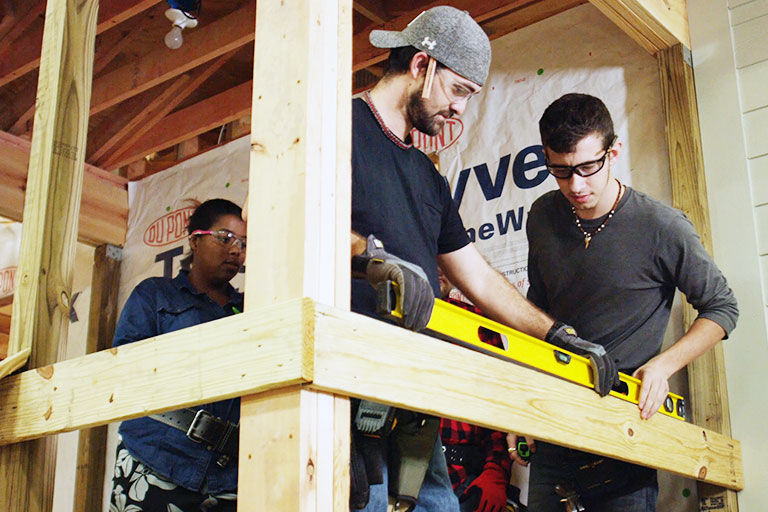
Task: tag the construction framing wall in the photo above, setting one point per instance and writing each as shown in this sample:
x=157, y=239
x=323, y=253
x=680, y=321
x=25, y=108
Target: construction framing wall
x=296, y=355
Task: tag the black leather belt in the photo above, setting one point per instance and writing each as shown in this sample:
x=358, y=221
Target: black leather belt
x=468, y=455
x=221, y=436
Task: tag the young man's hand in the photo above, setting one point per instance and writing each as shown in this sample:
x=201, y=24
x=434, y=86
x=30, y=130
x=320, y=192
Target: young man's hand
x=654, y=389
x=604, y=372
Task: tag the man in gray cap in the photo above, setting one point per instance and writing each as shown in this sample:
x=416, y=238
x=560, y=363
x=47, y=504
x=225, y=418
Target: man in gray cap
x=405, y=217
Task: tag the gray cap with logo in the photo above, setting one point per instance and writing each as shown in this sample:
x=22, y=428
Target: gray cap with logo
x=448, y=35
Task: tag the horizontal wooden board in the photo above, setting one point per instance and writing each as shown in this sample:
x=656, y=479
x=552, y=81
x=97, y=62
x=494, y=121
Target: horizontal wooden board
x=750, y=44
x=753, y=86
x=755, y=131
x=758, y=171
x=234, y=356
x=358, y=356
x=348, y=354
x=104, y=203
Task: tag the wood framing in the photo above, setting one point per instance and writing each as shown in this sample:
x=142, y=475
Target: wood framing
x=158, y=109
x=26, y=56
x=706, y=375
x=102, y=319
x=104, y=202
x=653, y=24
x=264, y=350
x=289, y=456
x=46, y=259
x=190, y=122
x=335, y=351
x=202, y=45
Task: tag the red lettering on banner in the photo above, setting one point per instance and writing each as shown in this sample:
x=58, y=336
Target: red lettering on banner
x=7, y=280
x=452, y=130
x=169, y=228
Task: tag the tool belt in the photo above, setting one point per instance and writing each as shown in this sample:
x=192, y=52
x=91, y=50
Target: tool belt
x=223, y=437
x=601, y=477
x=470, y=456
x=408, y=449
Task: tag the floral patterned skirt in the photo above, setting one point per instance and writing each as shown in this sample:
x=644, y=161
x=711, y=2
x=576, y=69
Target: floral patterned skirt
x=136, y=488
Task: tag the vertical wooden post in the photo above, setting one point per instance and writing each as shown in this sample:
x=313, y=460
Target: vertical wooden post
x=294, y=443
x=706, y=375
x=51, y=207
x=105, y=283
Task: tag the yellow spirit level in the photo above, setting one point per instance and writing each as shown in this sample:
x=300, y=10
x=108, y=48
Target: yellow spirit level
x=457, y=325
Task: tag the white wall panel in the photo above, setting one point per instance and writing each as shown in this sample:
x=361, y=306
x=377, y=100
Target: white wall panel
x=758, y=169
x=736, y=3
x=753, y=85
x=748, y=11
x=761, y=218
x=756, y=131
x=750, y=41
x=764, y=267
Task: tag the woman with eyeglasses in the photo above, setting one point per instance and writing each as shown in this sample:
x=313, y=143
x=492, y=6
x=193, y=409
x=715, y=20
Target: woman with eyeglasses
x=185, y=460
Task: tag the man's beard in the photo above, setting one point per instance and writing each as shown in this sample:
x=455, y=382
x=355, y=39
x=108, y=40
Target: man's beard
x=420, y=117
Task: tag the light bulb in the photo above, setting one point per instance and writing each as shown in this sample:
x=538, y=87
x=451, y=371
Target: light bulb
x=174, y=39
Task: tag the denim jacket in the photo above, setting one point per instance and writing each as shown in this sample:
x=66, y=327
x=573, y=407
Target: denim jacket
x=156, y=306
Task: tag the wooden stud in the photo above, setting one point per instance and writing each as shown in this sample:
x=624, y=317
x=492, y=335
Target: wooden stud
x=104, y=202
x=298, y=206
x=187, y=148
x=52, y=203
x=105, y=283
x=706, y=375
x=653, y=24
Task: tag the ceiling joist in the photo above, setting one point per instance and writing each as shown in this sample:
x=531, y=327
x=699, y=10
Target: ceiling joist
x=25, y=56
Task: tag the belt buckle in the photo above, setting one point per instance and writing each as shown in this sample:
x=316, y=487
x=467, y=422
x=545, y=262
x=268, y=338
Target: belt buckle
x=192, y=430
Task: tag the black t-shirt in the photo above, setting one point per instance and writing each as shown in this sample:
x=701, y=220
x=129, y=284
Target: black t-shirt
x=398, y=196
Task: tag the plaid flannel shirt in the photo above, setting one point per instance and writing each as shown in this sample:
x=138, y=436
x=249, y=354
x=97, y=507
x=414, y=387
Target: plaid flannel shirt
x=491, y=442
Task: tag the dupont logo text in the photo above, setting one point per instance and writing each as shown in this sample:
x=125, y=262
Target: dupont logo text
x=452, y=130
x=169, y=228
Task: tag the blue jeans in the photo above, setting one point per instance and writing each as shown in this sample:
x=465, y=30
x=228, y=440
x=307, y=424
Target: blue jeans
x=436, y=494
x=552, y=465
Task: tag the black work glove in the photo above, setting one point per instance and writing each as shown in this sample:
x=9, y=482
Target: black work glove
x=604, y=372
x=415, y=290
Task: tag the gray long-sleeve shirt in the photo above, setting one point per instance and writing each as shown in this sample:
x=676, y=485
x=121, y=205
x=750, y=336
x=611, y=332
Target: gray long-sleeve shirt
x=619, y=291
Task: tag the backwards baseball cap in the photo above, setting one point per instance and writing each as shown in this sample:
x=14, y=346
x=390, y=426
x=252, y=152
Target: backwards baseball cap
x=448, y=35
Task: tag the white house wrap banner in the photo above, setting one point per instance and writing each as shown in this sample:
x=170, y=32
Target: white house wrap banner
x=10, y=242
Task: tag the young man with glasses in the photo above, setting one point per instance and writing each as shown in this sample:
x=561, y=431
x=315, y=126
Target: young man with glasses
x=607, y=259
x=408, y=224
